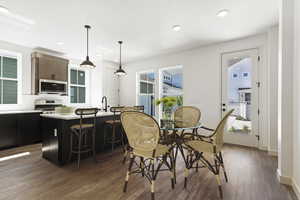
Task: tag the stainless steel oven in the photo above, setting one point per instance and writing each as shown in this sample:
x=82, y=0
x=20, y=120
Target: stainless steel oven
x=53, y=87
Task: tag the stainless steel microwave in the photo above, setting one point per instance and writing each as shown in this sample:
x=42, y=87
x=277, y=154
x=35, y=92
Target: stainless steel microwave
x=53, y=87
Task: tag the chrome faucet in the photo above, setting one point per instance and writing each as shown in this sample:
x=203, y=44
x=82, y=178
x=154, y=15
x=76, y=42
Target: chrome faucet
x=104, y=98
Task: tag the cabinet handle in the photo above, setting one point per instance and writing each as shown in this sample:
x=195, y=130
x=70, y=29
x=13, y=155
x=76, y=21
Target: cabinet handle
x=55, y=132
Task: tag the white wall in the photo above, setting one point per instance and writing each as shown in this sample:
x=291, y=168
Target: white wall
x=27, y=100
x=285, y=91
x=273, y=88
x=296, y=108
x=111, y=84
x=202, y=78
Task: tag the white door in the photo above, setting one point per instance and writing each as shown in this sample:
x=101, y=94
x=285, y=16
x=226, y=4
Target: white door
x=240, y=91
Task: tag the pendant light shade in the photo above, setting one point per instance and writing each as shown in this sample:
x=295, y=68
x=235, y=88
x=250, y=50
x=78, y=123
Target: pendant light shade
x=87, y=63
x=120, y=71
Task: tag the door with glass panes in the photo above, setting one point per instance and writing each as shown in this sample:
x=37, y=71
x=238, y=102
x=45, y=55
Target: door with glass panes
x=240, y=91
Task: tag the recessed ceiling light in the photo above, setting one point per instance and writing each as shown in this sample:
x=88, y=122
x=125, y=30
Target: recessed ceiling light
x=4, y=10
x=176, y=28
x=223, y=13
x=60, y=43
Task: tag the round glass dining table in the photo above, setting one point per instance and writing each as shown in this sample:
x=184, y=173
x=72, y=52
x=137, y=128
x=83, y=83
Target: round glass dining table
x=175, y=137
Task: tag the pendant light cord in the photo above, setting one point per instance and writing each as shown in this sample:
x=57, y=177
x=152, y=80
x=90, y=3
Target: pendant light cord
x=120, y=54
x=87, y=39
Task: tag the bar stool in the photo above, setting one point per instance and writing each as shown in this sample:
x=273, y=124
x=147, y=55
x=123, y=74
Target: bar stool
x=114, y=123
x=81, y=131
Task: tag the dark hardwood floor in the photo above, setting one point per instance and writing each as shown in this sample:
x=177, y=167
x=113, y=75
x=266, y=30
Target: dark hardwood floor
x=251, y=177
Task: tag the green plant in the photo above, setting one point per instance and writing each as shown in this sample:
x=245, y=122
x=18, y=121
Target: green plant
x=246, y=128
x=168, y=104
x=232, y=129
x=179, y=100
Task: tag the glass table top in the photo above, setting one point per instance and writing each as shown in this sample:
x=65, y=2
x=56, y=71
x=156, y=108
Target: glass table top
x=172, y=127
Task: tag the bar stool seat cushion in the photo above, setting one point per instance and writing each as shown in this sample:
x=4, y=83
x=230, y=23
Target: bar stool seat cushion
x=113, y=121
x=84, y=126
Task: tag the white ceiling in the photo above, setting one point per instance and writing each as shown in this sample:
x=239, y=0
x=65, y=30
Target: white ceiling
x=145, y=26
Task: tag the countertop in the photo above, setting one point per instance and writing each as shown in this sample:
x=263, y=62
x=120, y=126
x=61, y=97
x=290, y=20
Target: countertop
x=74, y=116
x=5, y=112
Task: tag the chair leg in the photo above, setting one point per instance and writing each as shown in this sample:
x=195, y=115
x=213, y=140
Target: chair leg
x=104, y=137
x=79, y=149
x=217, y=175
x=171, y=172
x=94, y=144
x=113, y=138
x=186, y=174
x=219, y=185
x=132, y=157
x=71, y=148
x=125, y=156
x=223, y=167
x=142, y=166
x=153, y=180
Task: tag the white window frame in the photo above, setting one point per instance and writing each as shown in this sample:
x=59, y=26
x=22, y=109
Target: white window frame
x=138, y=86
x=18, y=56
x=86, y=85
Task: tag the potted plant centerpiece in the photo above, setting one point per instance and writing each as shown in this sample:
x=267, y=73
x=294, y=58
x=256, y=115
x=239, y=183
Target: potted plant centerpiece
x=167, y=113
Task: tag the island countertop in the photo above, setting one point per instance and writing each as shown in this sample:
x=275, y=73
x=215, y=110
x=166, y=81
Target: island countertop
x=74, y=116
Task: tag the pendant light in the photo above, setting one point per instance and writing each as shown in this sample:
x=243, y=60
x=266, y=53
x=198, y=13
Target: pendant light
x=120, y=71
x=87, y=63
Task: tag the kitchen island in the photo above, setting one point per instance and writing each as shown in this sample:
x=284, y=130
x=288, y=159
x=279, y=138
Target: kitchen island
x=56, y=134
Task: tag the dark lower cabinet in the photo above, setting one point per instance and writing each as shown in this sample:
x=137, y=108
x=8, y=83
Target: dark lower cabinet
x=19, y=129
x=29, y=129
x=8, y=131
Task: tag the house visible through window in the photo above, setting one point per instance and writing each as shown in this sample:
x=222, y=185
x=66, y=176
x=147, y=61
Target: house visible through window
x=77, y=86
x=8, y=80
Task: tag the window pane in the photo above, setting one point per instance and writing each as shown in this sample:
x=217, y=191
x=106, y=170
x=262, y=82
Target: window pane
x=81, y=78
x=0, y=66
x=150, y=88
x=74, y=76
x=10, y=66
x=73, y=94
x=143, y=88
x=147, y=77
x=0, y=91
x=10, y=91
x=81, y=95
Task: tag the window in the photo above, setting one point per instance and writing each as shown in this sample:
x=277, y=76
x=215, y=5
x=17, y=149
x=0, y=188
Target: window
x=234, y=75
x=8, y=80
x=146, y=91
x=77, y=86
x=245, y=74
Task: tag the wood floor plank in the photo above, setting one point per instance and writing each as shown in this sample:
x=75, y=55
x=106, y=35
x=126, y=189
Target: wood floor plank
x=252, y=176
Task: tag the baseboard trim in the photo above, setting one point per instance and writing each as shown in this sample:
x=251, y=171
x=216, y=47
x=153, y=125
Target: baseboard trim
x=296, y=188
x=284, y=179
x=273, y=153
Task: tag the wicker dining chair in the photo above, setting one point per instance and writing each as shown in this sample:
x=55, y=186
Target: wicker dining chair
x=209, y=145
x=187, y=116
x=143, y=133
x=127, y=147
